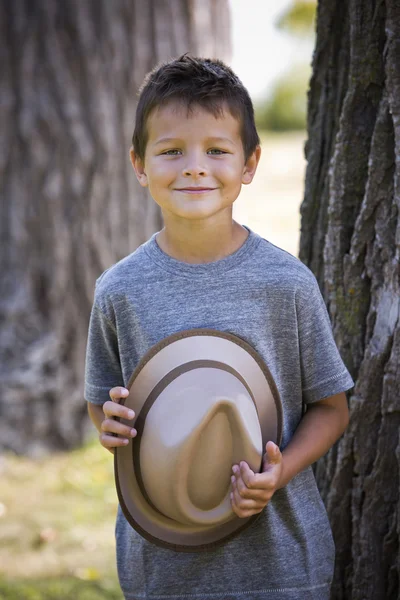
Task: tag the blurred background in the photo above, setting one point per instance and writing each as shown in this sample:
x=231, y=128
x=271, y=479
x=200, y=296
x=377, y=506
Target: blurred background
x=71, y=208
x=272, y=48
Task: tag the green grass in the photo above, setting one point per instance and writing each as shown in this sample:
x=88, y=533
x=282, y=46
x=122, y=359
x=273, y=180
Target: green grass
x=57, y=519
x=62, y=588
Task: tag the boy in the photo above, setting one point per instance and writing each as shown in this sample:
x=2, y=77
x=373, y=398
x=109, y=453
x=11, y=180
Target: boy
x=194, y=145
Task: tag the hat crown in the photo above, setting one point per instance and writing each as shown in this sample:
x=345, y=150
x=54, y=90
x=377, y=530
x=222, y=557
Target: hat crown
x=201, y=424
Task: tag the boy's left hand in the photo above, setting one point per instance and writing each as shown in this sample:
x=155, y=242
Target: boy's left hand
x=252, y=491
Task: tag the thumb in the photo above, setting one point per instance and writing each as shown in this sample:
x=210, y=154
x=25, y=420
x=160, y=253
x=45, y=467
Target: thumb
x=272, y=455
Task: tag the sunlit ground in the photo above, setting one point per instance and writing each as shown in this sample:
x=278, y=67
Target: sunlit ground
x=57, y=514
x=57, y=526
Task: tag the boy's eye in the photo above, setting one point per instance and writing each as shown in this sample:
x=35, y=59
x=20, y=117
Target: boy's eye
x=173, y=152
x=216, y=151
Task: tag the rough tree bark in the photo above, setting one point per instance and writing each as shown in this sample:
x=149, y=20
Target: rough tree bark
x=351, y=240
x=70, y=206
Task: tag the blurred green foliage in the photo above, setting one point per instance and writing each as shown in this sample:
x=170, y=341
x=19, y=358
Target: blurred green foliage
x=286, y=108
x=299, y=19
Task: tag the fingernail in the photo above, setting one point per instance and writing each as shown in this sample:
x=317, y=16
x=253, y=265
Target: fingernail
x=124, y=392
x=235, y=469
x=133, y=432
x=233, y=479
x=131, y=414
x=126, y=442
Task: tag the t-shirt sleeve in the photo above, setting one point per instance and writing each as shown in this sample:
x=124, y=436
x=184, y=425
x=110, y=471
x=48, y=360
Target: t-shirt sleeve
x=103, y=368
x=323, y=372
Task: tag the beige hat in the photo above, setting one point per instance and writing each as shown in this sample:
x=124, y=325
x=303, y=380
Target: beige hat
x=203, y=400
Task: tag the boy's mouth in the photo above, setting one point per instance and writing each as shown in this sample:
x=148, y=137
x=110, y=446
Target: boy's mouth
x=195, y=190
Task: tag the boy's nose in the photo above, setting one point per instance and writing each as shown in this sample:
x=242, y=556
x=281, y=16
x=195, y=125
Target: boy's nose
x=194, y=168
x=194, y=172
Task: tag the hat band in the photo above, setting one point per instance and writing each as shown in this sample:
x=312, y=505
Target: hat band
x=152, y=397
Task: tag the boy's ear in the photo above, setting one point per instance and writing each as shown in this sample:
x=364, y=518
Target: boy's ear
x=250, y=167
x=138, y=166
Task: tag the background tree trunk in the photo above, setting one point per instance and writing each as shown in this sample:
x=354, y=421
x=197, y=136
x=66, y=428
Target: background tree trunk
x=351, y=240
x=70, y=205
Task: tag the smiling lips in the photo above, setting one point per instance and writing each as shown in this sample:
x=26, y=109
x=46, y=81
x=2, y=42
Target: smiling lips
x=195, y=190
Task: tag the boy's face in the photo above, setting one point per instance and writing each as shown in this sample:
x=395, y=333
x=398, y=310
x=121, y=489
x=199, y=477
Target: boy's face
x=194, y=164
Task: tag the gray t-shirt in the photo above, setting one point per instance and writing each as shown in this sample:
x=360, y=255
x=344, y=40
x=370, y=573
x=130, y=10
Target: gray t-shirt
x=270, y=299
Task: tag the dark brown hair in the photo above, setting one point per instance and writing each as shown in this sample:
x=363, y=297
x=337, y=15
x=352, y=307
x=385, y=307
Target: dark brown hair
x=192, y=81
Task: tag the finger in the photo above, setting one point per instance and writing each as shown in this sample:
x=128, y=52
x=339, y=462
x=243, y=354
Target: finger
x=111, y=409
x=248, y=476
x=245, y=492
x=242, y=510
x=111, y=441
x=245, y=514
x=113, y=426
x=248, y=502
x=242, y=504
x=118, y=393
x=259, y=481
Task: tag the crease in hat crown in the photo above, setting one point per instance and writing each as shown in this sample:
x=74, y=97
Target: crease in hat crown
x=186, y=469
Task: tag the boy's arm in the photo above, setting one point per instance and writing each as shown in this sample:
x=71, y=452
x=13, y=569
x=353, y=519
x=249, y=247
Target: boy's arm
x=96, y=414
x=321, y=426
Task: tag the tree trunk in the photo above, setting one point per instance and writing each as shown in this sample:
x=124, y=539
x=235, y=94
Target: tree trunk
x=351, y=240
x=70, y=205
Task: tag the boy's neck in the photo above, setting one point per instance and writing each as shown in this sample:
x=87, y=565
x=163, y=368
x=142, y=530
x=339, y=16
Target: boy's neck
x=199, y=242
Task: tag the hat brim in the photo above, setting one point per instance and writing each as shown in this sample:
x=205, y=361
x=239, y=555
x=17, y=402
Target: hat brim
x=162, y=359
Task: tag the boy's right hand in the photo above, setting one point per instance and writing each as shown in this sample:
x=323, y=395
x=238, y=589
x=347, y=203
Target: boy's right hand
x=113, y=433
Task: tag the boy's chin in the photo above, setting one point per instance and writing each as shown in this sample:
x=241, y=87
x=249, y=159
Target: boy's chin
x=199, y=213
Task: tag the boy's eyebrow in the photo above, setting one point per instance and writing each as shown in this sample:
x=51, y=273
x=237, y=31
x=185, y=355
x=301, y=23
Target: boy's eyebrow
x=168, y=140
x=222, y=139
x=165, y=141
